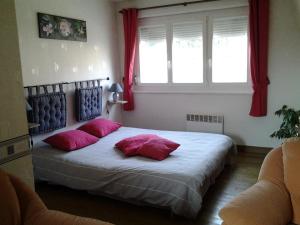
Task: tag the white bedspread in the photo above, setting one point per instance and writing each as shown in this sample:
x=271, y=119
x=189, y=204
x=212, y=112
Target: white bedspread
x=177, y=183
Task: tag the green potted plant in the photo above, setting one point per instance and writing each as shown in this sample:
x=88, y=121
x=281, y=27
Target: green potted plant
x=290, y=126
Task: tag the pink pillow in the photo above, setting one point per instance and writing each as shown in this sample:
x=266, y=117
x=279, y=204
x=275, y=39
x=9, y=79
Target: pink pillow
x=157, y=148
x=100, y=127
x=71, y=140
x=129, y=146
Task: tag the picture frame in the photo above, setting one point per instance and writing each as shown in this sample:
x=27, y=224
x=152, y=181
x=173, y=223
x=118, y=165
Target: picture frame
x=61, y=28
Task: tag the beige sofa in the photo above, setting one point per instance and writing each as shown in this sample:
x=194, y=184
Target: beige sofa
x=275, y=198
x=19, y=205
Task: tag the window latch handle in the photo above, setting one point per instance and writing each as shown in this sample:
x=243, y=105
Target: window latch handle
x=169, y=64
x=210, y=63
x=135, y=79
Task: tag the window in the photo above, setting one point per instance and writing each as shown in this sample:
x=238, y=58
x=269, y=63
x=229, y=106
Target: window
x=201, y=50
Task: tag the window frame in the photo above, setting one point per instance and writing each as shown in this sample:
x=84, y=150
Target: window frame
x=207, y=86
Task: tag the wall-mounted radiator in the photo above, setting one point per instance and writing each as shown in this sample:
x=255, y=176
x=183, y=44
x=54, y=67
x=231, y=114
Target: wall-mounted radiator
x=205, y=123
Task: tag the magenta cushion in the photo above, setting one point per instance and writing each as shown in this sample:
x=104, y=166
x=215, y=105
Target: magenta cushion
x=100, y=127
x=147, y=145
x=157, y=148
x=71, y=140
x=129, y=146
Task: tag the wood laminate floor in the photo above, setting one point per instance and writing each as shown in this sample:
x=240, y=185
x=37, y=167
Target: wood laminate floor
x=232, y=181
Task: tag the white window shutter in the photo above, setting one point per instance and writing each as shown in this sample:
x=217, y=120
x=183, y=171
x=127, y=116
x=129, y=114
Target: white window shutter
x=187, y=52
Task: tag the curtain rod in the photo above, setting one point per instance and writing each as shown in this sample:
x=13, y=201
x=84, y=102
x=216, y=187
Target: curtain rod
x=72, y=82
x=171, y=5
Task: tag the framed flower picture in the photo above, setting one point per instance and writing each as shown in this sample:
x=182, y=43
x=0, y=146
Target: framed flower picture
x=62, y=28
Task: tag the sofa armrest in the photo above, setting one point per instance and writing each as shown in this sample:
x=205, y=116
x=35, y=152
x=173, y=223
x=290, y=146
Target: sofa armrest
x=51, y=217
x=29, y=201
x=264, y=203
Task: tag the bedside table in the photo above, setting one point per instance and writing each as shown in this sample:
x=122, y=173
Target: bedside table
x=110, y=103
x=31, y=126
x=117, y=102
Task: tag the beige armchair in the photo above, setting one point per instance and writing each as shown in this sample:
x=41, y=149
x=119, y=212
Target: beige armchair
x=274, y=199
x=19, y=205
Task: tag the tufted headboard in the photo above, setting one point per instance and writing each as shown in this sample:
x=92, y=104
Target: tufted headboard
x=48, y=109
x=88, y=100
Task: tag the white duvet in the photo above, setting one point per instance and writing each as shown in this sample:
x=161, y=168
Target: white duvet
x=177, y=183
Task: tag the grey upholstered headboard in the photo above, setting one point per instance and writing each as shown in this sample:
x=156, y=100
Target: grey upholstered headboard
x=88, y=100
x=48, y=109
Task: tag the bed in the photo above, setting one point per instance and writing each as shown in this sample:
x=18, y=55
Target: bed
x=177, y=183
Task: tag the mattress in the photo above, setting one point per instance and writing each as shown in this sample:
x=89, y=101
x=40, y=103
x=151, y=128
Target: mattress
x=177, y=183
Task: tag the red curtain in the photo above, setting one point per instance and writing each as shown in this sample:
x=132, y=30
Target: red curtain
x=130, y=19
x=258, y=41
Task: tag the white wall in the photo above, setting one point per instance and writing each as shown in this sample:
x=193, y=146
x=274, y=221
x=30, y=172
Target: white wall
x=51, y=61
x=167, y=111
